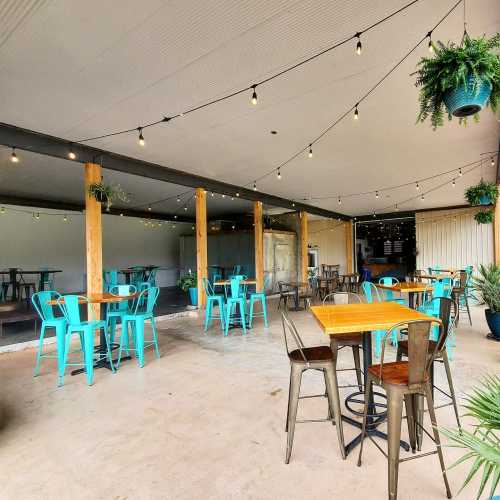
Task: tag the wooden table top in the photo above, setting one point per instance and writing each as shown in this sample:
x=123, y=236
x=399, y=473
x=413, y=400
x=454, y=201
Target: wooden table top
x=358, y=318
x=101, y=298
x=39, y=271
x=228, y=282
x=404, y=287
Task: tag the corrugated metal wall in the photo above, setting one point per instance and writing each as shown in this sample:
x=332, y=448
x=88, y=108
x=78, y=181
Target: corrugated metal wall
x=452, y=238
x=329, y=237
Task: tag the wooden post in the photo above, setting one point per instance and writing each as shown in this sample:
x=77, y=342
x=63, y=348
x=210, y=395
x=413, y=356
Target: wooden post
x=93, y=236
x=349, y=247
x=201, y=244
x=304, y=240
x=259, y=245
x=496, y=231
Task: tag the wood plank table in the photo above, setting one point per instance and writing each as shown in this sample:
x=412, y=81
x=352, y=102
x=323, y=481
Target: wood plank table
x=365, y=318
x=228, y=282
x=410, y=288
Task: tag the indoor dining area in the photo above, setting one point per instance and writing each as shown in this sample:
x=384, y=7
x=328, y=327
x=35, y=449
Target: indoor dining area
x=250, y=250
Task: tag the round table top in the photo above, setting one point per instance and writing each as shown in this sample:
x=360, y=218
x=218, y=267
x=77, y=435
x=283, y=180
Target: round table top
x=100, y=298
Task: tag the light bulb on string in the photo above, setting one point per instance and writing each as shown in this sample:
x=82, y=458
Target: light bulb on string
x=430, y=46
x=254, y=95
x=13, y=156
x=142, y=142
x=71, y=154
x=179, y=199
x=149, y=208
x=310, y=154
x=492, y=161
x=232, y=198
x=376, y=194
x=356, y=112
x=278, y=175
x=339, y=201
x=453, y=183
x=212, y=194
x=223, y=195
x=422, y=198
x=65, y=218
x=2, y=210
x=237, y=194
x=460, y=172
x=417, y=187
x=175, y=216
x=36, y=216
x=359, y=47
x=396, y=207
x=185, y=208
x=255, y=185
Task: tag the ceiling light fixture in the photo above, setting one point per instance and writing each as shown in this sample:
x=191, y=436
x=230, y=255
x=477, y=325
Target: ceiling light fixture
x=310, y=154
x=356, y=112
x=359, y=47
x=430, y=46
x=142, y=142
x=254, y=95
x=13, y=156
x=278, y=174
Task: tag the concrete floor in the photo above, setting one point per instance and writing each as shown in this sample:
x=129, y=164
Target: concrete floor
x=205, y=421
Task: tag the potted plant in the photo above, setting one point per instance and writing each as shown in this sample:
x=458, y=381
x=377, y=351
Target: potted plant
x=484, y=193
x=488, y=285
x=484, y=217
x=482, y=445
x=461, y=78
x=189, y=283
x=106, y=193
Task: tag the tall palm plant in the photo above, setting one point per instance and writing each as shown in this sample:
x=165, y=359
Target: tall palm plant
x=482, y=445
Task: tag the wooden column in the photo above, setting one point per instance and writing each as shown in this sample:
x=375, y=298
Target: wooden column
x=259, y=244
x=93, y=235
x=201, y=244
x=304, y=240
x=349, y=247
x=496, y=232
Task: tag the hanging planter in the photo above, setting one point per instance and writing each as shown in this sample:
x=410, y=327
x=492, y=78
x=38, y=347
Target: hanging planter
x=484, y=217
x=107, y=194
x=459, y=79
x=484, y=193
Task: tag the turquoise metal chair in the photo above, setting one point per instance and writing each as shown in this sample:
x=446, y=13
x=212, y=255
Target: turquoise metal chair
x=110, y=279
x=152, y=276
x=138, y=276
x=259, y=296
x=235, y=299
x=137, y=321
x=70, y=307
x=49, y=320
x=212, y=299
x=389, y=294
x=372, y=294
x=116, y=310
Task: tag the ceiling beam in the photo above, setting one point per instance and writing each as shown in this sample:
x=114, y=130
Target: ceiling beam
x=44, y=144
x=6, y=199
x=403, y=214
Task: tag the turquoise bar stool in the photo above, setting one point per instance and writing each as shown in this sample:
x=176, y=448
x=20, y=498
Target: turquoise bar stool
x=389, y=294
x=116, y=310
x=110, y=279
x=137, y=320
x=49, y=320
x=372, y=294
x=212, y=299
x=152, y=276
x=440, y=288
x=259, y=296
x=235, y=299
x=70, y=307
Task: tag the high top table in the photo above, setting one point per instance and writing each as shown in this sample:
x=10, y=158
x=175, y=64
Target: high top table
x=410, y=288
x=13, y=272
x=365, y=318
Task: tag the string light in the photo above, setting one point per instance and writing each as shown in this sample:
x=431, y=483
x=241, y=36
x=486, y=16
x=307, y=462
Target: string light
x=254, y=95
x=13, y=156
x=310, y=154
x=232, y=198
x=339, y=201
x=429, y=45
x=376, y=194
x=492, y=160
x=359, y=47
x=396, y=207
x=142, y=142
x=185, y=208
x=179, y=198
x=65, y=218
x=417, y=187
x=2, y=210
x=237, y=194
x=460, y=172
x=223, y=195
x=422, y=198
x=356, y=112
x=149, y=208
x=71, y=154
x=36, y=216
x=121, y=214
x=175, y=216
x=254, y=185
x=212, y=194
x=453, y=183
x=279, y=174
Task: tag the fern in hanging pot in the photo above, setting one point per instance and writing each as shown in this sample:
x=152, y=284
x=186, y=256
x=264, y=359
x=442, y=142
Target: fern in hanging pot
x=459, y=80
x=107, y=194
x=484, y=193
x=484, y=217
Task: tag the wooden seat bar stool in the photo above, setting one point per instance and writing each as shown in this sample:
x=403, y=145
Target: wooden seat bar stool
x=303, y=358
x=405, y=381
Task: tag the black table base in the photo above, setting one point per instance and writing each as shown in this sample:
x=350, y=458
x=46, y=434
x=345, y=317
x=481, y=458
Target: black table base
x=102, y=363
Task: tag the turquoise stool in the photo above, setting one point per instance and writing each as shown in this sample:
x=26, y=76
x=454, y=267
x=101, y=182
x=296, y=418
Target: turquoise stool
x=116, y=310
x=235, y=299
x=70, y=307
x=439, y=288
x=110, y=279
x=212, y=299
x=389, y=294
x=256, y=297
x=137, y=320
x=152, y=276
x=372, y=294
x=49, y=320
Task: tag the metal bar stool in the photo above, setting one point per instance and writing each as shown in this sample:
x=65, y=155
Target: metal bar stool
x=303, y=358
x=404, y=381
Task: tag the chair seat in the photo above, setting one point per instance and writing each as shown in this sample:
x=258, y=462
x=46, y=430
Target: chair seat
x=395, y=373
x=403, y=346
x=258, y=295
x=216, y=297
x=348, y=339
x=312, y=354
x=54, y=321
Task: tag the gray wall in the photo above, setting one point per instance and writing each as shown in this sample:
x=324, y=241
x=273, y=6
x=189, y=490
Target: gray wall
x=26, y=242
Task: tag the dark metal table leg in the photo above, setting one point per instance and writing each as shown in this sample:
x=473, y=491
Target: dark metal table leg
x=13, y=282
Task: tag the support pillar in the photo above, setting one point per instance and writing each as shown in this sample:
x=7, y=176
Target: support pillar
x=349, y=247
x=304, y=240
x=259, y=245
x=201, y=244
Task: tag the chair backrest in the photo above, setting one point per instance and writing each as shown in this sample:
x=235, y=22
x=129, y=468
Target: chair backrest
x=152, y=276
x=207, y=286
x=148, y=296
x=440, y=289
x=370, y=292
x=122, y=291
x=70, y=308
x=342, y=298
x=388, y=280
x=40, y=303
x=217, y=277
x=290, y=331
x=111, y=277
x=235, y=286
x=448, y=320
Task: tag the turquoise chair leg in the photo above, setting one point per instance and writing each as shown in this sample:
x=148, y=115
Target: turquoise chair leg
x=88, y=340
x=39, y=352
x=221, y=312
x=108, y=351
x=139, y=341
x=111, y=326
x=155, y=338
x=123, y=343
x=242, y=317
x=250, y=320
x=264, y=311
x=378, y=343
x=60, y=339
x=394, y=338
x=208, y=314
x=226, y=323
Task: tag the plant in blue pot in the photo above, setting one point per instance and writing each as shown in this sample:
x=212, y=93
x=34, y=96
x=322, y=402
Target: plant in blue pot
x=487, y=283
x=189, y=283
x=459, y=80
x=484, y=193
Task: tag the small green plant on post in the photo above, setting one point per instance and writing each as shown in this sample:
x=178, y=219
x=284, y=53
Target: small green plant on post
x=484, y=193
x=483, y=444
x=107, y=194
x=187, y=281
x=459, y=79
x=484, y=217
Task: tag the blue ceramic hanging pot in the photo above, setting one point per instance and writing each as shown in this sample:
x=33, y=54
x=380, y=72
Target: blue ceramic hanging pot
x=469, y=99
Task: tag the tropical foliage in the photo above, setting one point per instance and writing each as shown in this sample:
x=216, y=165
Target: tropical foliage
x=187, y=281
x=484, y=217
x=482, y=445
x=106, y=193
x=488, y=285
x=450, y=68
x=484, y=189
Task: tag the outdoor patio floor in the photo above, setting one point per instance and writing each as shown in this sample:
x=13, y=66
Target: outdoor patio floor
x=205, y=421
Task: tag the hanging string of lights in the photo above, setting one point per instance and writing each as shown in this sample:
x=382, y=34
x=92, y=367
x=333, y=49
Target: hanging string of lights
x=355, y=107
x=253, y=87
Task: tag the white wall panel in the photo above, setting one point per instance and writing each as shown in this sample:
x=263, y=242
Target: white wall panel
x=452, y=238
x=329, y=237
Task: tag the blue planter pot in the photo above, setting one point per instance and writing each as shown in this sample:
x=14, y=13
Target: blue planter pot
x=465, y=100
x=485, y=200
x=493, y=320
x=193, y=296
